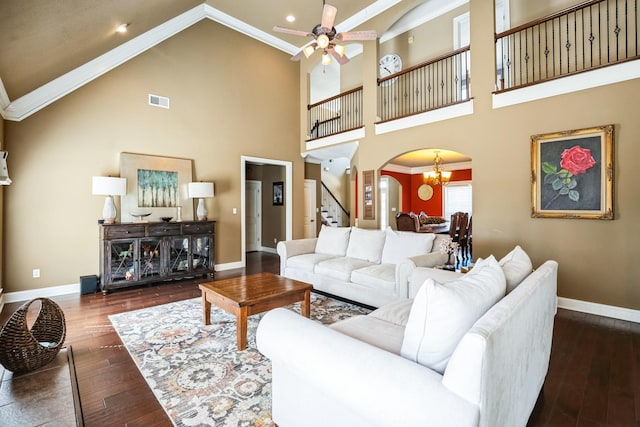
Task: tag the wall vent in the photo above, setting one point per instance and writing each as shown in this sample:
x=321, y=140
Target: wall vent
x=158, y=101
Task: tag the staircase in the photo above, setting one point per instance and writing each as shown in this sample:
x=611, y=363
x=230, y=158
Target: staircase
x=333, y=213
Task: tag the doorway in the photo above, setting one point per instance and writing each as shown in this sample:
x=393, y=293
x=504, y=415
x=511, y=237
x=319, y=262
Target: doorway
x=288, y=198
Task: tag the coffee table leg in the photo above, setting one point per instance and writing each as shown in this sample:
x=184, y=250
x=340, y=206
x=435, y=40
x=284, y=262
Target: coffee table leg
x=241, y=325
x=306, y=304
x=206, y=310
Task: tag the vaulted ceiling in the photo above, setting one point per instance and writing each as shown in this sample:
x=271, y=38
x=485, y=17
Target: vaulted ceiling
x=50, y=48
x=50, y=41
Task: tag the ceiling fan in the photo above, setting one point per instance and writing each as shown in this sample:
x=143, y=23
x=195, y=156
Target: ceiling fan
x=325, y=38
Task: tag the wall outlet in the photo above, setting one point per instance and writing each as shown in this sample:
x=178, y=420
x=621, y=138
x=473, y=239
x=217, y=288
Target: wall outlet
x=275, y=240
x=36, y=273
x=234, y=211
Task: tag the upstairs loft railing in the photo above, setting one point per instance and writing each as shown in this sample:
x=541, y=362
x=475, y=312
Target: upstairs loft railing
x=437, y=83
x=340, y=113
x=587, y=36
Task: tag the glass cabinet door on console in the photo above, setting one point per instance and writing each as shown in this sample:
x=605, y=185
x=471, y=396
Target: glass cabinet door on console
x=150, y=260
x=121, y=261
x=201, y=254
x=179, y=255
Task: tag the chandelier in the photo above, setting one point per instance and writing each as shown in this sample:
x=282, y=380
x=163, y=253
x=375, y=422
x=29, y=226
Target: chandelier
x=437, y=176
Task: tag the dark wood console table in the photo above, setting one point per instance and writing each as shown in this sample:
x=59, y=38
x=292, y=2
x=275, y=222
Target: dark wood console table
x=137, y=253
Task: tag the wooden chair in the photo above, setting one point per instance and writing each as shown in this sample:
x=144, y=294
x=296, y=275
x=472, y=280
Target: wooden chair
x=458, y=232
x=407, y=222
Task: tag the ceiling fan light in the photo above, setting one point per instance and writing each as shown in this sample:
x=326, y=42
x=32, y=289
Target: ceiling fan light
x=323, y=41
x=308, y=51
x=340, y=50
x=326, y=59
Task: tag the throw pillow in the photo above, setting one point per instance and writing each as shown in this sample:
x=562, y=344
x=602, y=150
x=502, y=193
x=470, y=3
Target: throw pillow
x=516, y=265
x=400, y=245
x=333, y=240
x=366, y=244
x=442, y=313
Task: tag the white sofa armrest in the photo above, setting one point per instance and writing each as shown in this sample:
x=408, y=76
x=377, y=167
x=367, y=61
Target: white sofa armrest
x=404, y=270
x=350, y=378
x=288, y=248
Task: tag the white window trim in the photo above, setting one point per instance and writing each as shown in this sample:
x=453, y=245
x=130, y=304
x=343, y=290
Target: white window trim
x=456, y=184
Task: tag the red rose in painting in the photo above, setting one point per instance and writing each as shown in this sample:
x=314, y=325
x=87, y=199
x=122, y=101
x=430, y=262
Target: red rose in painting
x=577, y=160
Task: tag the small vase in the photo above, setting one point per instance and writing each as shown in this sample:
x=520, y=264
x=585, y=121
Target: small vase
x=449, y=265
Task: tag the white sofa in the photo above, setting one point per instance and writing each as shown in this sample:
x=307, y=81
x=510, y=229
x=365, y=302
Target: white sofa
x=424, y=361
x=364, y=265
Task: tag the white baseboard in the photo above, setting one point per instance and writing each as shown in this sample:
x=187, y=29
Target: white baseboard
x=268, y=249
x=229, y=266
x=600, y=309
x=42, y=293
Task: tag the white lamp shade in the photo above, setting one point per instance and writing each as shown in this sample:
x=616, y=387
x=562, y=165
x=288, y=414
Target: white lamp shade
x=200, y=189
x=109, y=186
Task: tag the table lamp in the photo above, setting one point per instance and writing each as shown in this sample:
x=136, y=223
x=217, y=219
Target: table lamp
x=109, y=186
x=200, y=191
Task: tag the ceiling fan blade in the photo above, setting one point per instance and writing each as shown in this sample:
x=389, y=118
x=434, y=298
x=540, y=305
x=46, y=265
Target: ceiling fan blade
x=290, y=31
x=328, y=16
x=357, y=35
x=341, y=59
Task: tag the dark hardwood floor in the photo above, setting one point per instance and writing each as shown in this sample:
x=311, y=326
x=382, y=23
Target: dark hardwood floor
x=594, y=375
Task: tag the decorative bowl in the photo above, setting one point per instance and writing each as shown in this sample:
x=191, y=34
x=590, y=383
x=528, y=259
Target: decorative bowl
x=166, y=218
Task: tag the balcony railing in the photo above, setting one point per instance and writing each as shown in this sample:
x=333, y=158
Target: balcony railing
x=437, y=83
x=340, y=113
x=587, y=36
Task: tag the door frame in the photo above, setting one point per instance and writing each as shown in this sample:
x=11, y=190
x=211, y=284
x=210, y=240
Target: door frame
x=288, y=197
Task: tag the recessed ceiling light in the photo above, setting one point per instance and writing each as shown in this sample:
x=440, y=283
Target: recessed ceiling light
x=290, y=18
x=122, y=28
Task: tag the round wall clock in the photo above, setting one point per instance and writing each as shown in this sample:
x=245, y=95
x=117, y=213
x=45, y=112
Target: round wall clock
x=425, y=192
x=389, y=64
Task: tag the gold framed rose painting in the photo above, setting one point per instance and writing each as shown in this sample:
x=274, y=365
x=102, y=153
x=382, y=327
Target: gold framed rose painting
x=573, y=173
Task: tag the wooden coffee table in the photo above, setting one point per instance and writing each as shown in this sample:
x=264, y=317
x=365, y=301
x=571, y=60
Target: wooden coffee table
x=253, y=294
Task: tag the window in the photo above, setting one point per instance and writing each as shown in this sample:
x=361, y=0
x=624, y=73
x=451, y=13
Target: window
x=457, y=198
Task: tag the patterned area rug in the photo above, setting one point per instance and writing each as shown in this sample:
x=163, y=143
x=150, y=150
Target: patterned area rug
x=196, y=372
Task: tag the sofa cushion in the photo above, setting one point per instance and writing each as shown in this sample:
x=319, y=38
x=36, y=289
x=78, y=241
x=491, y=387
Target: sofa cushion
x=333, y=240
x=442, y=313
x=395, y=312
x=340, y=268
x=377, y=332
x=381, y=277
x=307, y=262
x=366, y=244
x=516, y=265
x=400, y=245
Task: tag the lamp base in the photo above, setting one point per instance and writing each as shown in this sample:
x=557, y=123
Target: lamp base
x=201, y=212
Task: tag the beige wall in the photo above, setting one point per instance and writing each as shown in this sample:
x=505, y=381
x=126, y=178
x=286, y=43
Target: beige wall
x=230, y=96
x=425, y=46
x=523, y=11
x=596, y=258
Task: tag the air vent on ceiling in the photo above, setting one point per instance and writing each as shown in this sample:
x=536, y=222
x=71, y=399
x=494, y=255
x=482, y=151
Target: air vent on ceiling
x=158, y=101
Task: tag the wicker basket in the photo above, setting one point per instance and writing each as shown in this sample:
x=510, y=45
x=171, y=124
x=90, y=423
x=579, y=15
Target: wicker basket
x=23, y=349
